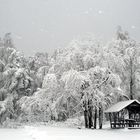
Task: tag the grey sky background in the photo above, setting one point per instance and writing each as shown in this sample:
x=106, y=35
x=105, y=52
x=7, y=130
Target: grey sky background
x=42, y=25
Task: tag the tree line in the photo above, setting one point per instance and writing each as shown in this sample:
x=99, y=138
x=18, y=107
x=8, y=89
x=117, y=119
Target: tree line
x=84, y=78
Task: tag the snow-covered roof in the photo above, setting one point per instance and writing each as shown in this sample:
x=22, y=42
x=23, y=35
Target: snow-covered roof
x=120, y=105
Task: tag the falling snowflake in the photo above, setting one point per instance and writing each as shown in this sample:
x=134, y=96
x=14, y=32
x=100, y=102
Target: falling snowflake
x=33, y=23
x=18, y=36
x=133, y=27
x=90, y=9
x=100, y=12
x=86, y=12
x=43, y=30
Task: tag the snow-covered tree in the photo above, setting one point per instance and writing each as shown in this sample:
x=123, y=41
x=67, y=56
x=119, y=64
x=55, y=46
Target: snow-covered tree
x=122, y=57
x=69, y=95
x=103, y=87
x=84, y=78
x=7, y=41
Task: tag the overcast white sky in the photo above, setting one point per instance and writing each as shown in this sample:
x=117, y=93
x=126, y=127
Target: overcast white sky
x=42, y=25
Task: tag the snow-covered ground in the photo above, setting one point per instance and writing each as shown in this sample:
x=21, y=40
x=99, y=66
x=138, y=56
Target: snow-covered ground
x=56, y=133
x=14, y=134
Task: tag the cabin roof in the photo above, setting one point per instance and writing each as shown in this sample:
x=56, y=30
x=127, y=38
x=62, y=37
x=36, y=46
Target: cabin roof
x=120, y=105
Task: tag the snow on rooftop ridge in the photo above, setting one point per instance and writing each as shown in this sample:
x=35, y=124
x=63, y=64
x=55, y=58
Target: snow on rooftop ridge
x=120, y=105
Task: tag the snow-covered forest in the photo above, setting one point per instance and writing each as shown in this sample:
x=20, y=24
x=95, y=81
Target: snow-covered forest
x=83, y=79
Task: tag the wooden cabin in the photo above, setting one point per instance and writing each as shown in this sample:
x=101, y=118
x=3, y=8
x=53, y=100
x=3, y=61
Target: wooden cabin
x=124, y=114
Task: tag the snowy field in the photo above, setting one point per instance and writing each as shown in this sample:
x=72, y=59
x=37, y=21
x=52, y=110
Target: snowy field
x=55, y=133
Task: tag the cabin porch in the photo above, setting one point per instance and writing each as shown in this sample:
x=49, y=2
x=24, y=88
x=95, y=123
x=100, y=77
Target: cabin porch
x=124, y=114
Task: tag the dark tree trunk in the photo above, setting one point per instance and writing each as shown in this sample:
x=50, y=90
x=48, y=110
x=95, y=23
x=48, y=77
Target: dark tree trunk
x=131, y=80
x=86, y=113
x=115, y=119
x=90, y=117
x=100, y=117
x=131, y=89
x=86, y=119
x=95, y=118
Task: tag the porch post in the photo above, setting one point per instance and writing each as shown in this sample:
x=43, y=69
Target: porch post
x=110, y=119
